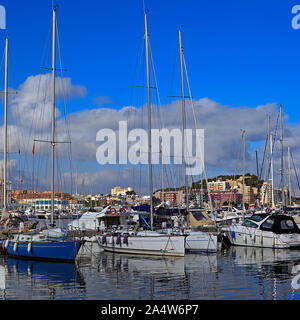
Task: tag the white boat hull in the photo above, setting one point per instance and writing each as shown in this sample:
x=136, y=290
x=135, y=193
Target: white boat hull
x=163, y=245
x=199, y=241
x=243, y=236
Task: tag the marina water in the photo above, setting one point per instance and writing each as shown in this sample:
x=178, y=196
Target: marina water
x=236, y=273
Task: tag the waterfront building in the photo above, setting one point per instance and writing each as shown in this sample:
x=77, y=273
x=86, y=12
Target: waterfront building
x=266, y=194
x=201, y=197
x=19, y=195
x=118, y=191
x=218, y=185
x=175, y=197
x=226, y=197
x=41, y=201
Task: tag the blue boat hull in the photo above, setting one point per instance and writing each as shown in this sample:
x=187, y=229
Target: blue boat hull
x=49, y=250
x=65, y=272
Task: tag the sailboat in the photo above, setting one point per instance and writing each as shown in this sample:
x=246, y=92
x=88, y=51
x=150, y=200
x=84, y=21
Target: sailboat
x=277, y=231
x=196, y=240
x=147, y=242
x=53, y=243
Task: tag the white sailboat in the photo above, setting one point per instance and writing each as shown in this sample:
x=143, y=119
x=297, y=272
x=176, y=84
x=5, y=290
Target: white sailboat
x=145, y=242
x=276, y=231
x=196, y=241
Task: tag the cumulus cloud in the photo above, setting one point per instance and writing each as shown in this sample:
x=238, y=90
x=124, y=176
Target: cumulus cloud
x=30, y=118
x=34, y=99
x=222, y=126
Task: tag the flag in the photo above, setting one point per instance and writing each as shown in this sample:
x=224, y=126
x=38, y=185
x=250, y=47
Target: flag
x=33, y=148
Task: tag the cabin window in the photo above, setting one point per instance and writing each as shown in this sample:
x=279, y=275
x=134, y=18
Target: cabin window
x=258, y=217
x=248, y=223
x=268, y=224
x=286, y=225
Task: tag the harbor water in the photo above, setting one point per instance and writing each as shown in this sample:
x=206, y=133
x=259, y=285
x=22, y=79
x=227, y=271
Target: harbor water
x=242, y=273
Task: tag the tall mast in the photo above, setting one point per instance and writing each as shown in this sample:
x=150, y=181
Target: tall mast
x=268, y=163
x=162, y=174
x=281, y=171
x=53, y=111
x=183, y=121
x=272, y=172
x=149, y=123
x=5, y=128
x=243, y=134
x=289, y=176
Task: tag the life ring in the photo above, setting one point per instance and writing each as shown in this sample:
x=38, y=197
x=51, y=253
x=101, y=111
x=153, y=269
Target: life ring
x=112, y=211
x=122, y=210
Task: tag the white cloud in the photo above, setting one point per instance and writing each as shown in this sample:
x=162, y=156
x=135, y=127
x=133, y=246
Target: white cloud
x=30, y=119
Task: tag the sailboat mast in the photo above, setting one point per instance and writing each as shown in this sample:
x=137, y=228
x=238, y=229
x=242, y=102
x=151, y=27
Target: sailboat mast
x=5, y=128
x=53, y=112
x=281, y=171
x=183, y=120
x=243, y=134
x=290, y=182
x=272, y=172
x=149, y=123
x=268, y=164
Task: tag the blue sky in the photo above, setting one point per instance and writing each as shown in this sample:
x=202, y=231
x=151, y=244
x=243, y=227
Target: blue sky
x=238, y=54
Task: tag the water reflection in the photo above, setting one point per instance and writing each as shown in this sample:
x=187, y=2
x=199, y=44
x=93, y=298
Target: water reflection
x=280, y=264
x=144, y=277
x=28, y=279
x=124, y=263
x=261, y=256
x=271, y=270
x=237, y=273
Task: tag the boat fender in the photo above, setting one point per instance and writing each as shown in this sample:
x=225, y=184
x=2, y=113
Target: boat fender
x=29, y=247
x=233, y=235
x=118, y=239
x=15, y=246
x=6, y=243
x=104, y=239
x=112, y=211
x=125, y=239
